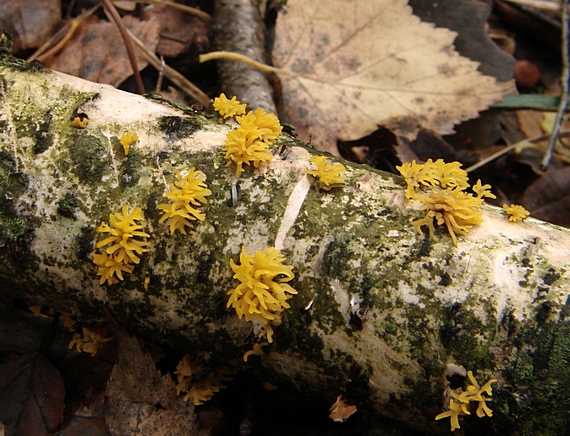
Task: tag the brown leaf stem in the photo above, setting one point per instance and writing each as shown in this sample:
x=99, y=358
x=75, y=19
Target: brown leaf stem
x=130, y=51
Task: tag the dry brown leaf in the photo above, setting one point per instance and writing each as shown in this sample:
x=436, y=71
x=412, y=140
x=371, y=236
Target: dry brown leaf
x=179, y=31
x=97, y=51
x=139, y=399
x=354, y=65
x=31, y=395
x=340, y=411
x=31, y=22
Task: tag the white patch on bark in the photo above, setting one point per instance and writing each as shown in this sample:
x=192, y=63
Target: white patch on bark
x=296, y=200
x=10, y=127
x=341, y=297
x=113, y=162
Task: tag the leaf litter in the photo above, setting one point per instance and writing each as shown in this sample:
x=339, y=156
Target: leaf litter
x=353, y=66
x=31, y=395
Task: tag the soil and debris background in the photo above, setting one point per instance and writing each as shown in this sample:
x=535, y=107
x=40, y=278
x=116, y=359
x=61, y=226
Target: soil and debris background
x=48, y=388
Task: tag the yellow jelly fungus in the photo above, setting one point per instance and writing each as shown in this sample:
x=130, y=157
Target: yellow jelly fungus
x=249, y=143
x=263, y=290
x=123, y=230
x=440, y=186
x=455, y=410
x=257, y=351
x=458, y=405
x=67, y=321
x=80, y=121
x=228, y=108
x=327, y=173
x=261, y=125
x=127, y=140
x=203, y=391
x=36, y=310
x=91, y=342
x=516, y=212
x=109, y=267
x=119, y=257
x=243, y=148
x=185, y=193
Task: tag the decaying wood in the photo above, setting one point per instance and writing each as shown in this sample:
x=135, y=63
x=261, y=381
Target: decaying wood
x=239, y=29
x=372, y=293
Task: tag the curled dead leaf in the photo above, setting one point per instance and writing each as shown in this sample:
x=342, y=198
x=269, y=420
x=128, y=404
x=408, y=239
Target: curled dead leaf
x=340, y=411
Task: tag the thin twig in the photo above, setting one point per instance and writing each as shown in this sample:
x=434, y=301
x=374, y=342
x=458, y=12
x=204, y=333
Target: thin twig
x=188, y=9
x=110, y=8
x=52, y=46
x=160, y=75
x=538, y=4
x=511, y=148
x=564, y=89
x=73, y=26
x=170, y=73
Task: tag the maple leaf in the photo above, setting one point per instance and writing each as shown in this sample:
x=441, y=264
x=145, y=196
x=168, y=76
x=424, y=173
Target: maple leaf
x=349, y=66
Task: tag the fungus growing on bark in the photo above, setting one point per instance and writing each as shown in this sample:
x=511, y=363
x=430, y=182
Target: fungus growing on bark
x=127, y=140
x=186, y=193
x=516, y=212
x=249, y=143
x=459, y=403
x=122, y=253
x=440, y=186
x=228, y=107
x=263, y=291
x=329, y=175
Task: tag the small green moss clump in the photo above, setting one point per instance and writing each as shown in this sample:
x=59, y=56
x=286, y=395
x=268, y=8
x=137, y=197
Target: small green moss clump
x=67, y=205
x=89, y=158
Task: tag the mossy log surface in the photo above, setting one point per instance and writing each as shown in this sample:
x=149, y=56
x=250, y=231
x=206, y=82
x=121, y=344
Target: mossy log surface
x=372, y=293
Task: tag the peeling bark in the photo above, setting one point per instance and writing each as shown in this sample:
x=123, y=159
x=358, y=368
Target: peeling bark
x=373, y=294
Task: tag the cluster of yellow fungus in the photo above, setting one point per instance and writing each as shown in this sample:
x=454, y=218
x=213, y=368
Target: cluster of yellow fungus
x=329, y=175
x=91, y=342
x=228, y=107
x=255, y=351
x=459, y=404
x=127, y=140
x=440, y=187
x=516, y=212
x=80, y=121
x=122, y=254
x=185, y=193
x=204, y=391
x=263, y=290
x=67, y=321
x=36, y=309
x=249, y=143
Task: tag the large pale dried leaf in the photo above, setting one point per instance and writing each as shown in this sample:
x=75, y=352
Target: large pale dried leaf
x=358, y=64
x=97, y=51
x=469, y=19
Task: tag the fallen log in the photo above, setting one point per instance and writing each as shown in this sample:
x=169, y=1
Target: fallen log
x=408, y=312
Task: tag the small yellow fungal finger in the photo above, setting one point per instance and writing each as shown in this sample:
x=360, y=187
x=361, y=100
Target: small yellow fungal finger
x=127, y=140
